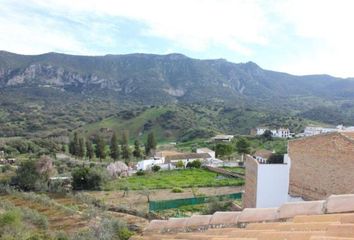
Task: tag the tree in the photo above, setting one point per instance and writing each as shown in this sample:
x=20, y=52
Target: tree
x=243, y=147
x=32, y=174
x=100, y=148
x=146, y=192
x=267, y=135
x=74, y=146
x=223, y=149
x=82, y=148
x=89, y=149
x=125, y=146
x=137, y=151
x=114, y=147
x=150, y=144
x=85, y=178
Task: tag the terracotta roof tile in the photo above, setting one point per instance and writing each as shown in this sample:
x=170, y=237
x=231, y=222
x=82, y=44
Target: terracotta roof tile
x=340, y=203
x=315, y=222
x=258, y=215
x=223, y=219
x=292, y=209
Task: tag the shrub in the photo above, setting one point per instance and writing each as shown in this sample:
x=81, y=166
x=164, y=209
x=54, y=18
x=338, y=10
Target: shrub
x=180, y=164
x=177, y=190
x=155, y=168
x=194, y=164
x=88, y=178
x=276, y=159
x=26, y=176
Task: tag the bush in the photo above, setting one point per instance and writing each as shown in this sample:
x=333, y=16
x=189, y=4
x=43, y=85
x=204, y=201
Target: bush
x=88, y=178
x=26, y=176
x=194, y=164
x=276, y=159
x=177, y=190
x=155, y=168
x=140, y=173
x=180, y=164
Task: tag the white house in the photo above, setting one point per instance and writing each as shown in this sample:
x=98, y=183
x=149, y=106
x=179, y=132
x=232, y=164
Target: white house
x=206, y=150
x=260, y=131
x=187, y=157
x=280, y=132
x=148, y=163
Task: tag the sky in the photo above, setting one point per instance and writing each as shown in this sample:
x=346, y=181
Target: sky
x=295, y=36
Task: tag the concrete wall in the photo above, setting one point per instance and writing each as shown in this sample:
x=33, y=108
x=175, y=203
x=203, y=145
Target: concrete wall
x=266, y=185
x=250, y=196
x=321, y=165
x=272, y=185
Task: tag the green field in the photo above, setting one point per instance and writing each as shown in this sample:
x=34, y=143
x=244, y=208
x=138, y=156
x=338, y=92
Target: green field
x=235, y=169
x=175, y=178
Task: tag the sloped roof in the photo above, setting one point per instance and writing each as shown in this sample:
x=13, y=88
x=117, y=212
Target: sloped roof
x=166, y=153
x=187, y=156
x=206, y=150
x=332, y=218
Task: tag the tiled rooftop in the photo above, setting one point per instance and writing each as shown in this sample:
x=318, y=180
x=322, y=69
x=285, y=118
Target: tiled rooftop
x=331, y=219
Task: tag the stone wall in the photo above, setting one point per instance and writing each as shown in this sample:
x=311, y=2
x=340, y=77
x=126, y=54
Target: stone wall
x=250, y=196
x=321, y=165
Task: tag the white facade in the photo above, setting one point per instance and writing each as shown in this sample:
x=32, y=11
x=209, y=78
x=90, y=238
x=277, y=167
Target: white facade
x=281, y=132
x=273, y=184
x=147, y=164
x=260, y=131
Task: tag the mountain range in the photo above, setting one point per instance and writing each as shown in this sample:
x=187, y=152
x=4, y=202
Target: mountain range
x=107, y=84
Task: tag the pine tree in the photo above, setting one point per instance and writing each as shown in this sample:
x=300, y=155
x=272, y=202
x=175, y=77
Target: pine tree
x=114, y=147
x=243, y=147
x=100, y=148
x=150, y=144
x=137, y=151
x=89, y=148
x=125, y=146
x=82, y=148
x=74, y=146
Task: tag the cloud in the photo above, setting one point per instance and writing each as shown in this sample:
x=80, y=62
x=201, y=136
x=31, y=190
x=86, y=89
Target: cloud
x=296, y=36
x=193, y=25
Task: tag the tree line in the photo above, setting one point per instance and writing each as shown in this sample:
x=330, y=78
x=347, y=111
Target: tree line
x=82, y=147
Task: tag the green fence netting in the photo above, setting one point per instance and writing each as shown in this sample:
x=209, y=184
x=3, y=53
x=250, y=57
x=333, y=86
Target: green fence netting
x=175, y=203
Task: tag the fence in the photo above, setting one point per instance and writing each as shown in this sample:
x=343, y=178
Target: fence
x=167, y=204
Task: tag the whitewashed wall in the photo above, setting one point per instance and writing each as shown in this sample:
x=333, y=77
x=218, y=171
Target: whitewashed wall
x=273, y=184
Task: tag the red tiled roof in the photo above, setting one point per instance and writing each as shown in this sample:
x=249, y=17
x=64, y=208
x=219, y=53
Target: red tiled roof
x=332, y=218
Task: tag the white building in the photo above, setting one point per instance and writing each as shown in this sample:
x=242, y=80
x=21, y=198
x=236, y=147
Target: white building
x=260, y=131
x=280, y=132
x=223, y=138
x=186, y=158
x=148, y=163
x=312, y=130
x=267, y=185
x=206, y=150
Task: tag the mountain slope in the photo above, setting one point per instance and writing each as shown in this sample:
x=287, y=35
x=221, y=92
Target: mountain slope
x=49, y=94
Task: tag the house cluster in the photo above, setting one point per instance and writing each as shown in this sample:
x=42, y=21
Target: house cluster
x=280, y=132
x=316, y=130
x=167, y=160
x=314, y=168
